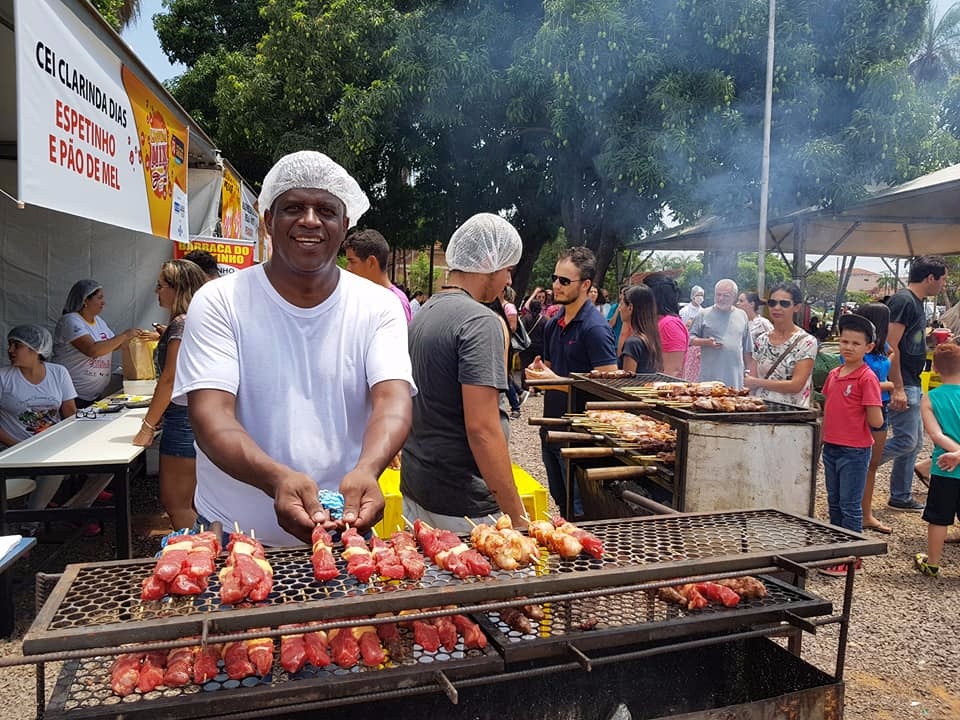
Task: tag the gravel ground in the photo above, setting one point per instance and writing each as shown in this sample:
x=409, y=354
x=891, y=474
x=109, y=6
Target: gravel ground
x=903, y=635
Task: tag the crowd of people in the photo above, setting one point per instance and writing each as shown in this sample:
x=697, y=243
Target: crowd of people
x=296, y=376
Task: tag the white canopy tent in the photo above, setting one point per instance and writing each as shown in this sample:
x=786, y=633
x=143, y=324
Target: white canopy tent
x=921, y=217
x=43, y=252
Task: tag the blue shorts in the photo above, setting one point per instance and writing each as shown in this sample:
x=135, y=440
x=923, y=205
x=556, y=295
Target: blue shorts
x=177, y=437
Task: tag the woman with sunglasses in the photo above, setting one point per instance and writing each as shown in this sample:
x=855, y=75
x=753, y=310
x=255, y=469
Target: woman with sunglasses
x=782, y=364
x=83, y=342
x=750, y=303
x=35, y=395
x=179, y=280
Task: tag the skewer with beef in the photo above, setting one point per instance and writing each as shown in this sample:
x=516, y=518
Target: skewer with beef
x=324, y=565
x=179, y=669
x=184, y=567
x=360, y=561
x=590, y=542
x=448, y=551
x=125, y=673
x=247, y=575
x=405, y=546
x=747, y=586
x=387, y=560
x=205, y=663
x=152, y=671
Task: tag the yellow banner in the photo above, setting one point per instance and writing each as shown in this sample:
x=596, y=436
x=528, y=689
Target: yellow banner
x=231, y=207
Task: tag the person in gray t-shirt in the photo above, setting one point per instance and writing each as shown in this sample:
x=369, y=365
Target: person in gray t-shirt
x=722, y=332
x=456, y=461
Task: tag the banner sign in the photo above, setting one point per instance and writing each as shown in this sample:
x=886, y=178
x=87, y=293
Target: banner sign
x=92, y=140
x=231, y=255
x=231, y=206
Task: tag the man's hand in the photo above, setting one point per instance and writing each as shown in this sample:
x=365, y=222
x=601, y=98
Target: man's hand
x=297, y=507
x=363, y=501
x=898, y=399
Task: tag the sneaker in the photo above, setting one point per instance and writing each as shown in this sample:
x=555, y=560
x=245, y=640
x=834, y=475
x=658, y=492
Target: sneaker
x=910, y=505
x=839, y=571
x=515, y=414
x=920, y=563
x=523, y=397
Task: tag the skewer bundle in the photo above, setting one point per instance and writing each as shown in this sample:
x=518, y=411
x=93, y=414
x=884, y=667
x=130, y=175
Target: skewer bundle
x=507, y=548
x=448, y=551
x=184, y=567
x=247, y=575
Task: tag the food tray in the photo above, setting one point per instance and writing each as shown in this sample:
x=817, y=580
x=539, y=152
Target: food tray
x=98, y=605
x=639, y=617
x=83, y=687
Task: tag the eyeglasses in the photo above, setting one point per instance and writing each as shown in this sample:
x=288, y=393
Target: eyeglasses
x=782, y=303
x=161, y=286
x=89, y=413
x=564, y=280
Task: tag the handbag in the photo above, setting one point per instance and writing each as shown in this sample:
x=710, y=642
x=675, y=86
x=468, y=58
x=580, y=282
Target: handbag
x=520, y=340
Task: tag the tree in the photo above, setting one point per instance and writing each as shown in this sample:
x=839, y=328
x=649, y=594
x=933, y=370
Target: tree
x=119, y=13
x=938, y=58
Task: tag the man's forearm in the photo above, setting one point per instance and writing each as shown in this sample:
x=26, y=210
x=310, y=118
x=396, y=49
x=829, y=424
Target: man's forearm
x=490, y=451
x=382, y=440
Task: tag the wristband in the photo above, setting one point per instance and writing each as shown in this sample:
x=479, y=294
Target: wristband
x=152, y=427
x=876, y=429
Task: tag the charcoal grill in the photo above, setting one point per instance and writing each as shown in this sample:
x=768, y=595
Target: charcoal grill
x=95, y=605
x=724, y=461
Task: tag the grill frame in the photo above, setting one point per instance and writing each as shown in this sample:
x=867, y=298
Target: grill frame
x=675, y=546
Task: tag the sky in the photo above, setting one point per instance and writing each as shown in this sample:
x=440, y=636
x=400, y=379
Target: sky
x=143, y=39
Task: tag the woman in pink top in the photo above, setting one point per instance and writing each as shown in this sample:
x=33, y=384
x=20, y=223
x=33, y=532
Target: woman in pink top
x=674, y=337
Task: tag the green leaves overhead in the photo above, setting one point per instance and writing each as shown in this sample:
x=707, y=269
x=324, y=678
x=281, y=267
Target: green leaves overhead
x=597, y=115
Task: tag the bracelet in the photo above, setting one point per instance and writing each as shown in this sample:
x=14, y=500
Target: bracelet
x=152, y=427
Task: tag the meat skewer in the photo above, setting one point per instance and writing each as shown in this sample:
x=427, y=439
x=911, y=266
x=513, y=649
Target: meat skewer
x=360, y=561
x=590, y=542
x=448, y=551
x=506, y=547
x=247, y=575
x=184, y=567
x=324, y=566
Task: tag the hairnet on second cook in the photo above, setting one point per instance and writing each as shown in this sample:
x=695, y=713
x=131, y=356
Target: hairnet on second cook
x=312, y=170
x=81, y=290
x=34, y=337
x=485, y=243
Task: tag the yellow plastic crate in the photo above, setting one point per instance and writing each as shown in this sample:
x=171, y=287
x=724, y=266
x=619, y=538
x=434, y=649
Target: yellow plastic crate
x=532, y=493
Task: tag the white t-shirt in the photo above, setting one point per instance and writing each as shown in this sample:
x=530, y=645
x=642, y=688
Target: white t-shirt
x=90, y=375
x=25, y=408
x=301, y=377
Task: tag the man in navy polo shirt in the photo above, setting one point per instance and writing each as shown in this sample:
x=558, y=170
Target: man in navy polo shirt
x=578, y=340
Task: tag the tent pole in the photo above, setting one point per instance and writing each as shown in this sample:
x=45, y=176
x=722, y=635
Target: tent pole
x=765, y=166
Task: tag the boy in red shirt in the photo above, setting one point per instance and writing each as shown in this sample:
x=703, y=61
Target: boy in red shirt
x=852, y=408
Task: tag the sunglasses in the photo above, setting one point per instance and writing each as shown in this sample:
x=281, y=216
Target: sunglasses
x=564, y=280
x=782, y=303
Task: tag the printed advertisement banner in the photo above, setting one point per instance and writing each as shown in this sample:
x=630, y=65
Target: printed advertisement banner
x=231, y=255
x=93, y=141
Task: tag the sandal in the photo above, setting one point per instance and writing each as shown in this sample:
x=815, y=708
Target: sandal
x=880, y=528
x=922, y=478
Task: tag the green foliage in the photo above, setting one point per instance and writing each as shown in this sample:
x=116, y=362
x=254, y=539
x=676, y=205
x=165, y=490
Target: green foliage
x=859, y=297
x=546, y=262
x=595, y=116
x=775, y=271
x=418, y=274
x=119, y=13
x=821, y=286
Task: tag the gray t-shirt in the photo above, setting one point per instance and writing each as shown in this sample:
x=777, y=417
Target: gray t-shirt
x=733, y=330
x=454, y=341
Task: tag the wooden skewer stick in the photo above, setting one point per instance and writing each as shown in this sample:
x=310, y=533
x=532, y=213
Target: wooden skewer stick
x=253, y=533
x=472, y=523
x=236, y=526
x=492, y=519
x=406, y=521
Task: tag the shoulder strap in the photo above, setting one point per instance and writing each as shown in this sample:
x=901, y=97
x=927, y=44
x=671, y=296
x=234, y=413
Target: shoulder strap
x=786, y=350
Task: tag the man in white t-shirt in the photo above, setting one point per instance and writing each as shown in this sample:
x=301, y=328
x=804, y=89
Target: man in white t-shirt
x=297, y=373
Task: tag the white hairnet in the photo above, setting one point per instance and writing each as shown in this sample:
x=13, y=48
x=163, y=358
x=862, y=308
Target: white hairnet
x=484, y=244
x=34, y=337
x=696, y=290
x=313, y=170
x=81, y=290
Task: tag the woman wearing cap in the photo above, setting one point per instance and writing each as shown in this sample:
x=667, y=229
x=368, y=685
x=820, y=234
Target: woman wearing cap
x=783, y=358
x=178, y=281
x=83, y=342
x=35, y=395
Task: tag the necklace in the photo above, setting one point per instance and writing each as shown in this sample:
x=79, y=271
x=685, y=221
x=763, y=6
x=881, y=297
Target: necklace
x=456, y=287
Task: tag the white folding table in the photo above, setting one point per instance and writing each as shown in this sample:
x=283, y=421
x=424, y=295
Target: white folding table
x=80, y=445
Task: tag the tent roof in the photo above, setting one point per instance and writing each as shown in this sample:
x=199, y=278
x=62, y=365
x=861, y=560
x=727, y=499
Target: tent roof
x=920, y=217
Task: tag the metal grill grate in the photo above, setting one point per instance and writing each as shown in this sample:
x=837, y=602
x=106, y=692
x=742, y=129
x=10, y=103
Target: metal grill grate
x=97, y=604
x=83, y=688
x=617, y=387
x=635, y=617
